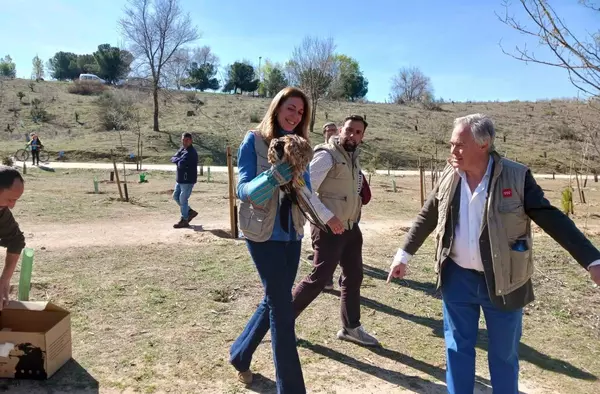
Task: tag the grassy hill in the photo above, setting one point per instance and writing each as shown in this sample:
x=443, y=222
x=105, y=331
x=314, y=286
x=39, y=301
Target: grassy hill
x=542, y=134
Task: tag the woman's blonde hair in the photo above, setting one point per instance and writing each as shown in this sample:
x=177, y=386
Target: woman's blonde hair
x=268, y=127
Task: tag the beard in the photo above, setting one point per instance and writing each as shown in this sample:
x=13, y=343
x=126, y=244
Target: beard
x=349, y=146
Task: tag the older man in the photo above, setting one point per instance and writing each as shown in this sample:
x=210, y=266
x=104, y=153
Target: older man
x=329, y=130
x=11, y=237
x=481, y=211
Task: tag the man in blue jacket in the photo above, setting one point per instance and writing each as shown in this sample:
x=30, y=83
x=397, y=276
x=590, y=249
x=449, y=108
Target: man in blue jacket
x=186, y=160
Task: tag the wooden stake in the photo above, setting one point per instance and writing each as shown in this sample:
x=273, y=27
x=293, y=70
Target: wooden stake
x=117, y=175
x=141, y=153
x=125, y=183
x=432, y=176
x=578, y=187
x=232, y=199
x=422, y=183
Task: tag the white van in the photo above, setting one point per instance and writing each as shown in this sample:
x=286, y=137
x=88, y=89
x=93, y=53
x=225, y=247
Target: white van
x=91, y=77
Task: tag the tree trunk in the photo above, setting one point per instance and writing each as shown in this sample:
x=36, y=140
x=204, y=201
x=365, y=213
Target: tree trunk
x=314, y=114
x=155, y=97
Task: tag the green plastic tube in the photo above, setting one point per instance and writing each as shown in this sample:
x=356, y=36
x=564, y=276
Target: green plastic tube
x=95, y=185
x=25, y=278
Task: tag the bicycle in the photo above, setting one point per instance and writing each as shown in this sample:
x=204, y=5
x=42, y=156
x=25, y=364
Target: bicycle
x=23, y=154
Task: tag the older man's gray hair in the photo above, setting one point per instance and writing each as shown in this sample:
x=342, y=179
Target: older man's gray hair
x=482, y=128
x=326, y=125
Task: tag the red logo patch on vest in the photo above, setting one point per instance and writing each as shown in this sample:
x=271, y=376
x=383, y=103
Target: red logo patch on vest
x=507, y=192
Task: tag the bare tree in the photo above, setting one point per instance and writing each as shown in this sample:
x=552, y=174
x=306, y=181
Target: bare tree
x=176, y=69
x=204, y=55
x=311, y=68
x=410, y=85
x=155, y=30
x=579, y=55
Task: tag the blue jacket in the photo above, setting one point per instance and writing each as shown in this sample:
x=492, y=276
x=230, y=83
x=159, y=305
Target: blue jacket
x=247, y=172
x=187, y=164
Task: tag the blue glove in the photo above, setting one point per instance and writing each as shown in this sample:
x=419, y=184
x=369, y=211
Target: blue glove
x=282, y=173
x=260, y=189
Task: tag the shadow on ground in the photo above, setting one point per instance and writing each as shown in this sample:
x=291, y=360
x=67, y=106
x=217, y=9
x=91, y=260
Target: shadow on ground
x=71, y=378
x=526, y=352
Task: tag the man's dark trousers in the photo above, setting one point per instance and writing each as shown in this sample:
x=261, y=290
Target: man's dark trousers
x=331, y=249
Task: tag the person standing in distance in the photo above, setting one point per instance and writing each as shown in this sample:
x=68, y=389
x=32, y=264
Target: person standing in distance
x=186, y=160
x=36, y=145
x=329, y=130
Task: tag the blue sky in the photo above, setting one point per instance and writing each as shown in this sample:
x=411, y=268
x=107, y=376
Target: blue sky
x=455, y=43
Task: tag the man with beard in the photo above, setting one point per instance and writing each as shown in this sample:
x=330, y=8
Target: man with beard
x=335, y=177
x=329, y=130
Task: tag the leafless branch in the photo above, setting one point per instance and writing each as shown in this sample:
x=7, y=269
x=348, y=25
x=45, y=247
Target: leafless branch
x=176, y=69
x=204, y=55
x=410, y=85
x=579, y=56
x=155, y=30
x=311, y=68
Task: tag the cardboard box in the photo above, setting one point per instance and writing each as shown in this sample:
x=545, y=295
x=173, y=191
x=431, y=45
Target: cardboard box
x=35, y=339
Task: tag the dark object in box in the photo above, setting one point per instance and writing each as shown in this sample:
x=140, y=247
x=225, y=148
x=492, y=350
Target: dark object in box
x=35, y=339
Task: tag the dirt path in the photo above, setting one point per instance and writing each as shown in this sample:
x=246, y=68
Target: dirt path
x=145, y=231
x=171, y=167
x=117, y=233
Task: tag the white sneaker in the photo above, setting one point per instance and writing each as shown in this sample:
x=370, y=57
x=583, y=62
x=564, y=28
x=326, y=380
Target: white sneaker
x=358, y=335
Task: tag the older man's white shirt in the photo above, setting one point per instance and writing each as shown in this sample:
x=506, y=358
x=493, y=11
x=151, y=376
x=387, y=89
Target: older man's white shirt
x=465, y=247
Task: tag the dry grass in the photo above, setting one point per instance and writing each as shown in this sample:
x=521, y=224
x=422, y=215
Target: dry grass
x=155, y=309
x=86, y=88
x=541, y=134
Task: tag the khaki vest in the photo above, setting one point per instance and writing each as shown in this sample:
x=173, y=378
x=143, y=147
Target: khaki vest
x=338, y=192
x=506, y=219
x=257, y=223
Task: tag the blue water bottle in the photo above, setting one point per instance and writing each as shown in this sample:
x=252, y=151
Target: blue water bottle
x=520, y=245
